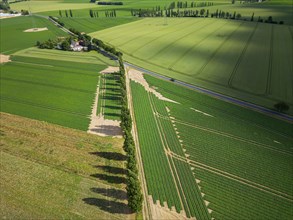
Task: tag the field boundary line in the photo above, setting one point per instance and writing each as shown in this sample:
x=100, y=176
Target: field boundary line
x=169, y=164
x=229, y=136
x=233, y=177
x=241, y=57
x=35, y=64
x=146, y=207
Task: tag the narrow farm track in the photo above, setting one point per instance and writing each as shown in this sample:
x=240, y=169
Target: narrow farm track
x=228, y=135
x=233, y=177
x=251, y=106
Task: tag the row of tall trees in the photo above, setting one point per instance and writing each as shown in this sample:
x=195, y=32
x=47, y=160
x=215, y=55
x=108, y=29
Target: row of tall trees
x=134, y=194
x=185, y=4
x=66, y=13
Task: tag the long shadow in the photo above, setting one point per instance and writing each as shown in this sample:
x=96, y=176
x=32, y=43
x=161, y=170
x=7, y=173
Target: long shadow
x=109, y=178
x=113, y=193
x=112, y=107
x=108, y=97
x=110, y=84
x=113, y=170
x=110, y=155
x=112, y=114
x=108, y=206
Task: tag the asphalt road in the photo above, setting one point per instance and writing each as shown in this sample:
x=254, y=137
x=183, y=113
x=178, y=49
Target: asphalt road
x=254, y=107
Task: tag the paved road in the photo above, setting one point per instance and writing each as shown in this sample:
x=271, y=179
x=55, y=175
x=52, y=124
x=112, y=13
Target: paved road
x=261, y=109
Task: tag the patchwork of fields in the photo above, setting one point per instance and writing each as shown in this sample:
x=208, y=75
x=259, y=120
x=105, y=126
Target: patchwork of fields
x=59, y=92
x=212, y=159
x=217, y=54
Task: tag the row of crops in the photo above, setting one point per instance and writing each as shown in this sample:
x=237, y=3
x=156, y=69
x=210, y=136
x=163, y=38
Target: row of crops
x=53, y=92
x=159, y=178
x=109, y=103
x=156, y=136
x=243, y=163
x=232, y=200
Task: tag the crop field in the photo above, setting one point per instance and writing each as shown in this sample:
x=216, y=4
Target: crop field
x=13, y=38
x=109, y=102
x=59, y=92
x=211, y=158
x=89, y=25
x=50, y=172
x=217, y=54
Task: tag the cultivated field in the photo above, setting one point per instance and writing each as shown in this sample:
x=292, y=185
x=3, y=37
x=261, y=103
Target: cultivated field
x=53, y=172
x=13, y=38
x=59, y=92
x=211, y=158
x=109, y=102
x=217, y=54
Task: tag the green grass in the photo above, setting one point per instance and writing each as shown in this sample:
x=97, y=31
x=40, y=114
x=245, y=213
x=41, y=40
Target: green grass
x=53, y=172
x=59, y=92
x=240, y=159
x=91, y=57
x=237, y=58
x=89, y=25
x=13, y=38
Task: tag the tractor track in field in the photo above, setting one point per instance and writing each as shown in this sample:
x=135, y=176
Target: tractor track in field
x=195, y=45
x=228, y=135
x=241, y=57
x=254, y=107
x=270, y=68
x=232, y=177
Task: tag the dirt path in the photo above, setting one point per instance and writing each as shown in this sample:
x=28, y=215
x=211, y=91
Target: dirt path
x=4, y=58
x=101, y=126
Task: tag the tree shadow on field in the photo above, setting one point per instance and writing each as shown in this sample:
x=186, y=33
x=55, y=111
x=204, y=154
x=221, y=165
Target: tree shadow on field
x=113, y=107
x=110, y=155
x=112, y=170
x=108, y=206
x=109, y=178
x=113, y=193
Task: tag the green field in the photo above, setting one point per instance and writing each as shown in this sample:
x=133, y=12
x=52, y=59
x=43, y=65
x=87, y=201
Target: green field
x=218, y=54
x=211, y=158
x=109, y=102
x=13, y=38
x=59, y=92
x=51, y=172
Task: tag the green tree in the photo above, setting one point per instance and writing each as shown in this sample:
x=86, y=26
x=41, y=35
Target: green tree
x=281, y=107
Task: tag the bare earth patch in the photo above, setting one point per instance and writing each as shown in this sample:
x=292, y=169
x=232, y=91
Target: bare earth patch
x=110, y=69
x=101, y=126
x=4, y=58
x=159, y=212
x=36, y=29
x=137, y=76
